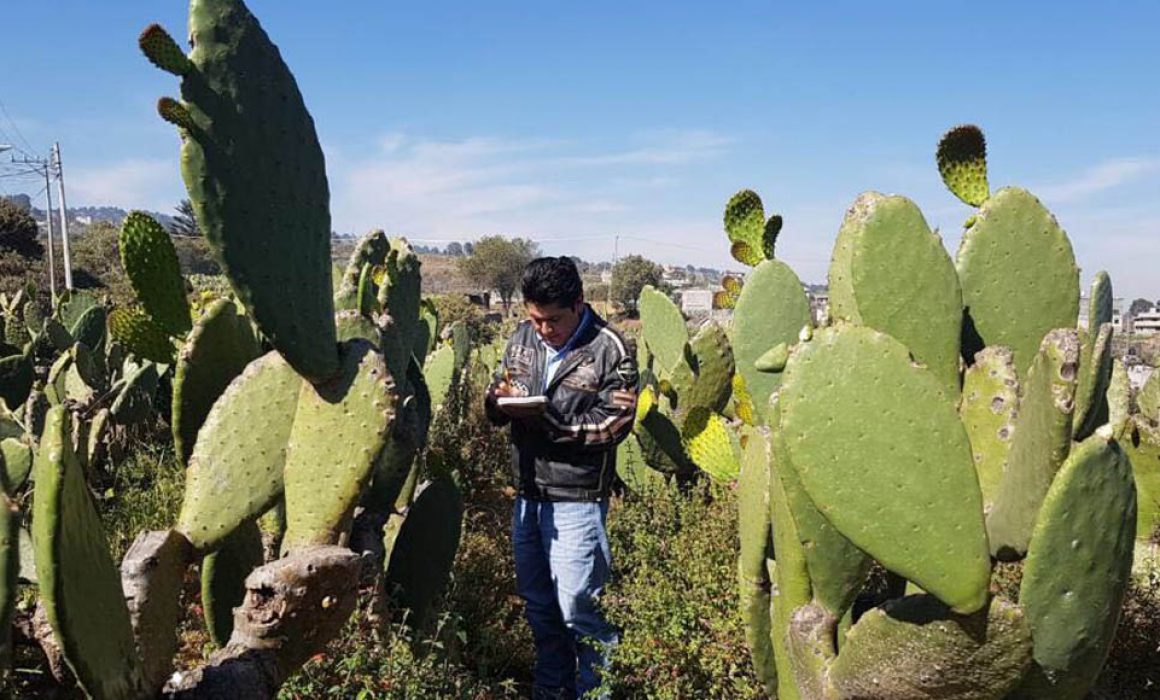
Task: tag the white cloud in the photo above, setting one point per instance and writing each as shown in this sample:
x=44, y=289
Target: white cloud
x=1100, y=178
x=153, y=184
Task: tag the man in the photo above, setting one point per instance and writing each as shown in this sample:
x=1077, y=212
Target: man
x=564, y=462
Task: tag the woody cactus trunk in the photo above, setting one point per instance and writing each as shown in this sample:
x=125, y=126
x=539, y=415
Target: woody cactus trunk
x=302, y=430
x=951, y=416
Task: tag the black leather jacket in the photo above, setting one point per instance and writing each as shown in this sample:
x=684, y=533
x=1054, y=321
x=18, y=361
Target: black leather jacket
x=569, y=454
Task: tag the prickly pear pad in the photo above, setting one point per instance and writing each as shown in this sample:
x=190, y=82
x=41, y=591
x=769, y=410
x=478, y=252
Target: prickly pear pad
x=1142, y=443
x=988, y=406
x=915, y=647
x=1009, y=301
x=1095, y=373
x=1078, y=567
x=219, y=348
x=424, y=550
x=962, y=162
x=1041, y=442
x=79, y=584
x=771, y=310
x=150, y=262
x=339, y=428
x=235, y=471
x=140, y=335
x=900, y=281
x=663, y=330
x=882, y=454
x=257, y=179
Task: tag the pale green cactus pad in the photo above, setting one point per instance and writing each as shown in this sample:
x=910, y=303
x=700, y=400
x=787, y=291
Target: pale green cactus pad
x=756, y=549
x=351, y=324
x=836, y=566
x=1008, y=302
x=705, y=379
x=79, y=584
x=150, y=262
x=439, y=369
x=17, y=463
x=371, y=250
x=988, y=406
x=890, y=272
x=219, y=348
x=1040, y=444
x=753, y=237
x=1077, y=569
x=1148, y=399
x=962, y=162
x=663, y=330
x=235, y=470
x=339, y=428
x=223, y=579
x=771, y=310
x=423, y=551
x=255, y=172
x=632, y=468
x=883, y=455
x=1119, y=398
x=134, y=403
x=916, y=648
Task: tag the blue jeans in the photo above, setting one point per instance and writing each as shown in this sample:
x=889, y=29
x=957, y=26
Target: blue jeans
x=562, y=563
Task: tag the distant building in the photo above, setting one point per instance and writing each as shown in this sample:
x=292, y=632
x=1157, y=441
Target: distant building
x=606, y=277
x=1146, y=323
x=696, y=301
x=819, y=306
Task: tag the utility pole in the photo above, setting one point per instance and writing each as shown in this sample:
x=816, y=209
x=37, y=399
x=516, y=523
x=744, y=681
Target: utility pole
x=44, y=166
x=59, y=167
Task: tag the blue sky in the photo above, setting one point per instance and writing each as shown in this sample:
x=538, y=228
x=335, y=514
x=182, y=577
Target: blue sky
x=573, y=122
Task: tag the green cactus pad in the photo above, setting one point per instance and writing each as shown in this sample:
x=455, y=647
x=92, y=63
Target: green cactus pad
x=439, y=369
x=9, y=570
x=424, y=550
x=371, y=250
x=257, y=179
x=1040, y=444
x=1095, y=374
x=836, y=566
x=339, y=428
x=1119, y=398
x=150, y=261
x=400, y=294
x=79, y=584
x=1148, y=400
x=1008, y=302
x=705, y=380
x=756, y=549
x=745, y=224
x=235, y=471
x=1078, y=568
x=57, y=334
x=162, y=51
x=223, y=579
x=915, y=648
x=140, y=335
x=662, y=329
x=175, y=113
x=632, y=468
x=1101, y=302
x=660, y=439
x=18, y=457
x=962, y=162
x=351, y=324
x=219, y=348
x=920, y=511
x=771, y=310
x=134, y=403
x=1142, y=443
x=988, y=407
x=428, y=331
x=773, y=361
x=89, y=328
x=73, y=304
x=890, y=272
x=708, y=443
x=16, y=376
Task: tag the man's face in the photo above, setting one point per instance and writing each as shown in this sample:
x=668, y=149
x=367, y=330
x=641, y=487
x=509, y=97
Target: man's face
x=555, y=323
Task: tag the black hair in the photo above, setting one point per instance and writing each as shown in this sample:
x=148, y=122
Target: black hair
x=552, y=281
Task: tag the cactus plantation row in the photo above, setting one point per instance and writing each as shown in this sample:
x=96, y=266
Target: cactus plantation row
x=947, y=417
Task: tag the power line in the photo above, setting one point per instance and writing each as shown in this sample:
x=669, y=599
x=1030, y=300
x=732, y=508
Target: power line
x=16, y=129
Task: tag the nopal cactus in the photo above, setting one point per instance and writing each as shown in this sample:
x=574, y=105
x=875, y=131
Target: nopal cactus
x=881, y=446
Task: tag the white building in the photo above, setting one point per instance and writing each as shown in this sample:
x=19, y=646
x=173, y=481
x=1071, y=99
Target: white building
x=696, y=301
x=1146, y=323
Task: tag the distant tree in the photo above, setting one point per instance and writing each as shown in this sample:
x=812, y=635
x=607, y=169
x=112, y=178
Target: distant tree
x=185, y=222
x=454, y=249
x=630, y=275
x=18, y=230
x=468, y=248
x=1139, y=306
x=496, y=262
